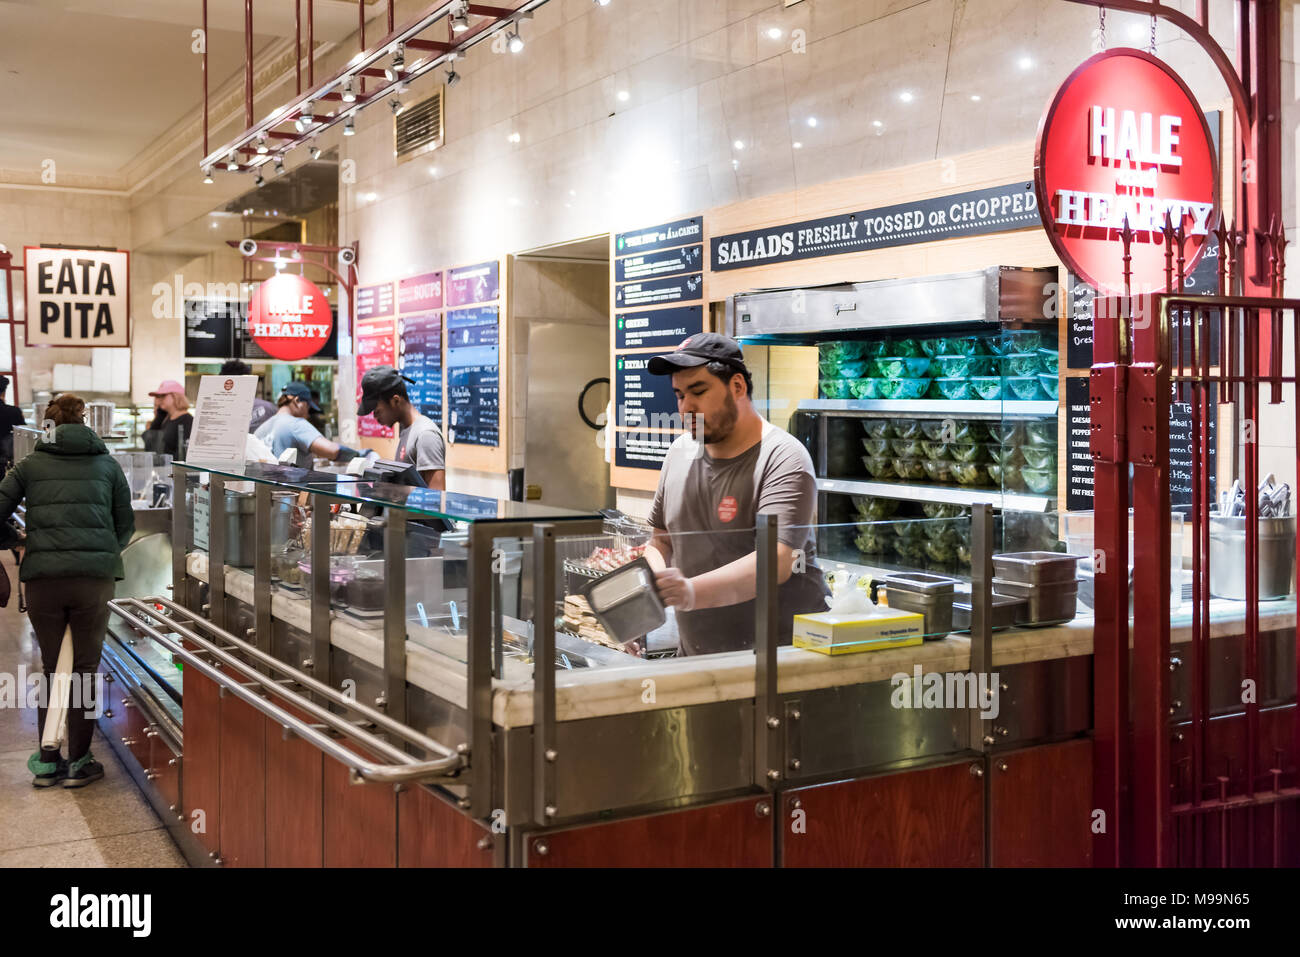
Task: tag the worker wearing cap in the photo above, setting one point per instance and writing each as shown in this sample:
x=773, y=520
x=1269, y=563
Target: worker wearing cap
x=289, y=429
x=383, y=392
x=172, y=424
x=711, y=494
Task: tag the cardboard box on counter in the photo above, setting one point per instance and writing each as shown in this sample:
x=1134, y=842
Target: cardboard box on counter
x=832, y=633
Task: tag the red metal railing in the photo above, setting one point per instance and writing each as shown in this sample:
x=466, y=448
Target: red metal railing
x=1222, y=803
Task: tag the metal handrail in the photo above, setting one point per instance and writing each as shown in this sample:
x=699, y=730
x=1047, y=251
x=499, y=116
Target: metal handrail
x=408, y=768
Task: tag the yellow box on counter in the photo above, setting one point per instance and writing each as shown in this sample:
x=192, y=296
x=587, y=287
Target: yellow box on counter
x=834, y=633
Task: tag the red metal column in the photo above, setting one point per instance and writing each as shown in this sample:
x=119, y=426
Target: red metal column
x=1148, y=422
x=1107, y=392
x=248, y=63
x=205, y=77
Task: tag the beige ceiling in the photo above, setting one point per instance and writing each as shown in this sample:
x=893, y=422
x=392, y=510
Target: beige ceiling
x=91, y=83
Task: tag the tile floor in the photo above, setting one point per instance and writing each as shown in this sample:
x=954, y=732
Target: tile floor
x=107, y=824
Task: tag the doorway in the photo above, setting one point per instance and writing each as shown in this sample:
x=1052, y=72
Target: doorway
x=560, y=311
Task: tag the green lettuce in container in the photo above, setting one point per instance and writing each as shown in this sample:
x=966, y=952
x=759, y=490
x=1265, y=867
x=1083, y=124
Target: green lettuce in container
x=934, y=450
x=829, y=368
x=1040, y=456
x=1050, y=383
x=840, y=351
x=950, y=388
x=985, y=387
x=854, y=368
x=907, y=448
x=910, y=470
x=968, y=452
x=1006, y=433
x=865, y=388
x=1003, y=454
x=963, y=345
x=1015, y=342
x=878, y=428
x=934, y=347
x=908, y=348
x=901, y=367
x=836, y=388
x=905, y=428
x=873, y=507
x=943, y=510
x=877, y=446
x=970, y=473
x=875, y=348
x=874, y=538
x=910, y=550
x=1039, y=481
x=942, y=550
x=879, y=466
x=1041, y=432
x=1021, y=365
x=938, y=470
x=1006, y=476
x=1022, y=388
x=1050, y=359
x=903, y=388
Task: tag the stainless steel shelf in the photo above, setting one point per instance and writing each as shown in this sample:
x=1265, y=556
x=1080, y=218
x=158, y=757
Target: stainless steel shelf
x=965, y=408
x=954, y=494
x=879, y=567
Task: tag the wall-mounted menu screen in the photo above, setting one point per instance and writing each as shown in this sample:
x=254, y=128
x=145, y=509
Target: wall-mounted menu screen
x=473, y=376
x=420, y=358
x=210, y=327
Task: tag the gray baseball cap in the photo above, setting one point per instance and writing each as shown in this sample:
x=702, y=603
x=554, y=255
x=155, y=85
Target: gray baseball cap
x=378, y=384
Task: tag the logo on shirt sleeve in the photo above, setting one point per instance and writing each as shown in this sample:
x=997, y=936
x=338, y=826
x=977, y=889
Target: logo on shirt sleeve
x=727, y=508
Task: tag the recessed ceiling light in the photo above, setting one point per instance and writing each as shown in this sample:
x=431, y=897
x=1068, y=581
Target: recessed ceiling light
x=433, y=171
x=214, y=225
x=1026, y=63
x=774, y=32
x=739, y=144
x=735, y=164
x=812, y=121
x=1136, y=31
x=513, y=138
x=624, y=95
x=906, y=96
x=974, y=97
x=877, y=124
x=797, y=145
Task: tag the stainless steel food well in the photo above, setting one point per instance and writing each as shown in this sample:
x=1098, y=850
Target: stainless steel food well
x=1050, y=604
x=927, y=595
x=1228, y=557
x=1035, y=568
x=1005, y=610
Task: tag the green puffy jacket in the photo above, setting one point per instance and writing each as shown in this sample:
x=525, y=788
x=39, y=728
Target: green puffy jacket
x=79, y=514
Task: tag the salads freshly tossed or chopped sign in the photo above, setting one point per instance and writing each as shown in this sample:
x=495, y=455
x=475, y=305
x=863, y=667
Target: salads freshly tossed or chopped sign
x=289, y=317
x=1124, y=141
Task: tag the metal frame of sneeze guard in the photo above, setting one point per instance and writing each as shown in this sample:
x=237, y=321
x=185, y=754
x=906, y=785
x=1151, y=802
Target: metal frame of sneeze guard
x=476, y=775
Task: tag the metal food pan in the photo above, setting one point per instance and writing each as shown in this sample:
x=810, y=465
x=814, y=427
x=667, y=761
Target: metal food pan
x=1005, y=611
x=1036, y=568
x=919, y=583
x=1052, y=604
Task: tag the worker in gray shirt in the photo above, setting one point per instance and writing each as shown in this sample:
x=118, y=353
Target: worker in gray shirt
x=289, y=429
x=383, y=392
x=716, y=480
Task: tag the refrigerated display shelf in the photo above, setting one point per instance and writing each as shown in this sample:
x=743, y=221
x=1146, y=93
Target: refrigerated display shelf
x=955, y=494
x=964, y=408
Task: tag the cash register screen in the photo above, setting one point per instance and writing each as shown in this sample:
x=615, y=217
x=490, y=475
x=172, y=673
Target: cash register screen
x=398, y=473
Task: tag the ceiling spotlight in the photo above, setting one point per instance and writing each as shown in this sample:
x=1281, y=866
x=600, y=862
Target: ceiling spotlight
x=279, y=166
x=739, y=144
x=348, y=129
x=349, y=92
x=259, y=181
x=515, y=42
x=314, y=152
x=459, y=22
x=974, y=97
x=395, y=105
x=214, y=225
x=207, y=175
x=231, y=165
x=774, y=33
x=304, y=121
x=602, y=3
x=1026, y=63
x=906, y=96
x=812, y=121
x=261, y=142
x=624, y=96
x=399, y=58
x=877, y=124
x=797, y=145
x=452, y=77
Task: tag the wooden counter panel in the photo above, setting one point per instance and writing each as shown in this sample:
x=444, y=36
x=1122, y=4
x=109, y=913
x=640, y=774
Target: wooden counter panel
x=432, y=833
x=201, y=786
x=294, y=799
x=928, y=818
x=243, y=784
x=1040, y=810
x=360, y=820
x=720, y=835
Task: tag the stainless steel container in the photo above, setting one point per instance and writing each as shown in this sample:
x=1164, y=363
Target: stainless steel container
x=1228, y=557
x=1005, y=611
x=99, y=416
x=1050, y=604
x=1035, y=568
x=927, y=595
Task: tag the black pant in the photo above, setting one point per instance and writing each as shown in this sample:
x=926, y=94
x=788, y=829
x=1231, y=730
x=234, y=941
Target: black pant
x=53, y=605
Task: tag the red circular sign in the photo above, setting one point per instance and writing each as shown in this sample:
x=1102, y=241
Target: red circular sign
x=728, y=508
x=289, y=317
x=1125, y=138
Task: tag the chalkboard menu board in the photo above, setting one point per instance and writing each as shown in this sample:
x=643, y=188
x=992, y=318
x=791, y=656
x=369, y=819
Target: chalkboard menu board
x=473, y=376
x=210, y=327
x=375, y=345
x=658, y=302
x=642, y=450
x=374, y=302
x=1079, y=469
x=420, y=358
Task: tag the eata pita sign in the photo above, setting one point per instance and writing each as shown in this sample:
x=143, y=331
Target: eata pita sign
x=77, y=297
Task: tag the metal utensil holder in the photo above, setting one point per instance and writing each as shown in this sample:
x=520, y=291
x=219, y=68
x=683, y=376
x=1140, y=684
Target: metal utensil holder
x=1228, y=557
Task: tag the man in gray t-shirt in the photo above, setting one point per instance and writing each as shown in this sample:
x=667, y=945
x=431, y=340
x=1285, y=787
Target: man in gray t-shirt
x=710, y=495
x=289, y=429
x=383, y=392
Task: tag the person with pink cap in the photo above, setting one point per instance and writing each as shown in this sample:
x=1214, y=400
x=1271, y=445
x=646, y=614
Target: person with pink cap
x=172, y=423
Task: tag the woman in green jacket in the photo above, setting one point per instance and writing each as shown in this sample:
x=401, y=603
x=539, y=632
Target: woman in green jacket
x=78, y=521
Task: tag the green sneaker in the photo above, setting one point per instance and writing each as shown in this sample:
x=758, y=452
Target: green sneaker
x=46, y=774
x=83, y=771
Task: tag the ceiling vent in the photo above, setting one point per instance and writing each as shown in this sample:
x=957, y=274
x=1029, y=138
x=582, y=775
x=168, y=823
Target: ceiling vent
x=419, y=127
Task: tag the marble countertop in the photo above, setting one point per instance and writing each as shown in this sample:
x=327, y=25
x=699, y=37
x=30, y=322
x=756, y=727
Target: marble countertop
x=435, y=661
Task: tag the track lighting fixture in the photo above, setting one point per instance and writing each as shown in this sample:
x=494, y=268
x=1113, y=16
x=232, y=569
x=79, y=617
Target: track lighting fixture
x=515, y=41
x=279, y=166
x=207, y=175
x=259, y=181
x=231, y=165
x=459, y=20
x=314, y=152
x=395, y=105
x=261, y=143
x=348, y=129
x=349, y=92
x=452, y=77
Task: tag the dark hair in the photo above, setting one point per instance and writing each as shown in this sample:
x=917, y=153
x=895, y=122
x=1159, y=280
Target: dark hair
x=4, y=384
x=67, y=409
x=725, y=370
x=236, y=367
x=285, y=399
